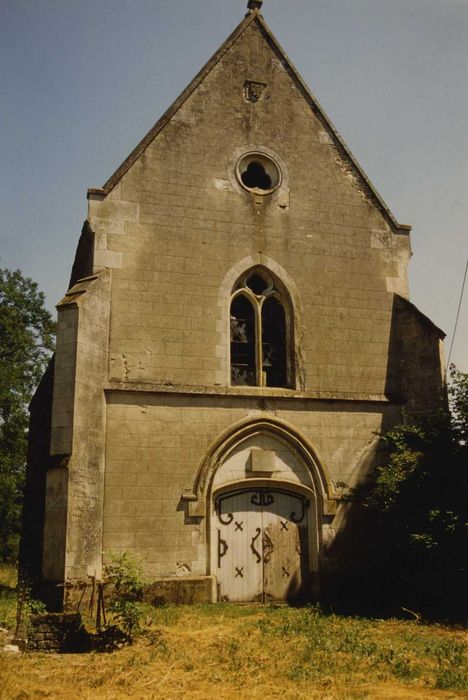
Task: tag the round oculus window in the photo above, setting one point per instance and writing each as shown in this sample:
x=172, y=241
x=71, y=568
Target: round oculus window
x=258, y=173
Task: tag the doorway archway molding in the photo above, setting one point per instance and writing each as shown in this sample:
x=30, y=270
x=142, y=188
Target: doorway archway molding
x=199, y=498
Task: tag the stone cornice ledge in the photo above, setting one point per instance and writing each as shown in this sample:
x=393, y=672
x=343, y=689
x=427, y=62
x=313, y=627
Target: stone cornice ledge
x=248, y=392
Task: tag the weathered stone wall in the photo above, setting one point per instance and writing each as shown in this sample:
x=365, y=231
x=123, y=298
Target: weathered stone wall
x=142, y=387
x=178, y=230
x=420, y=352
x=57, y=633
x=155, y=443
x=178, y=222
x=182, y=591
x=74, y=492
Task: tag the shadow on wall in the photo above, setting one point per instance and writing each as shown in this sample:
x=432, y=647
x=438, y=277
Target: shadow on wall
x=348, y=576
x=354, y=578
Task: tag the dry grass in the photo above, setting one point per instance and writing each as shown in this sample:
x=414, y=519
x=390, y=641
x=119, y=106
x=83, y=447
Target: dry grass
x=228, y=652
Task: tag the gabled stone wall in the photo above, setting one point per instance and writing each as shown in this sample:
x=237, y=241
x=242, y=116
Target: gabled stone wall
x=142, y=393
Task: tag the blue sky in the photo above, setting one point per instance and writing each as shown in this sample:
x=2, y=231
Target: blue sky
x=81, y=82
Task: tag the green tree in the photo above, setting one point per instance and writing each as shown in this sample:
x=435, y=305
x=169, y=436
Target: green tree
x=416, y=511
x=458, y=399
x=26, y=341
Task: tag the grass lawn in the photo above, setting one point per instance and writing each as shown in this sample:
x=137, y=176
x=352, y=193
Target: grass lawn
x=233, y=651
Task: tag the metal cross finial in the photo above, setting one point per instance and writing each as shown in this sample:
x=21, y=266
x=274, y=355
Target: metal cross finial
x=255, y=4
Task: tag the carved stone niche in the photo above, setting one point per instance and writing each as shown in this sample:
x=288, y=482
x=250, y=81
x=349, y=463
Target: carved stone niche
x=262, y=462
x=253, y=90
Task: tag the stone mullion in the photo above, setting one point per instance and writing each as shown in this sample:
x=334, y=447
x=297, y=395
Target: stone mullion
x=259, y=343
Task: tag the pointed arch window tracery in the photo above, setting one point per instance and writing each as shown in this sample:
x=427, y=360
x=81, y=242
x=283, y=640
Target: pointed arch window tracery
x=261, y=325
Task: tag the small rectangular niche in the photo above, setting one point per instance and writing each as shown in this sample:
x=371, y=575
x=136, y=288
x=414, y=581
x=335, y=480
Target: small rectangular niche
x=262, y=461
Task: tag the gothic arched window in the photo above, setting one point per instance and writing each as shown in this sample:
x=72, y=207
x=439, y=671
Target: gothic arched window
x=260, y=333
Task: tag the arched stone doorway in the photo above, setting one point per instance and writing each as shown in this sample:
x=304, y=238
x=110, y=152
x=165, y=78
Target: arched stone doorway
x=254, y=460
x=264, y=532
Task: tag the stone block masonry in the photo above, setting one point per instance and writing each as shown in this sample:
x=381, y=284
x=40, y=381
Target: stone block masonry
x=58, y=633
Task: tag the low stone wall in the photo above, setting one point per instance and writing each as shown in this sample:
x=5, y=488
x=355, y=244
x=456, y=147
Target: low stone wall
x=57, y=633
x=183, y=590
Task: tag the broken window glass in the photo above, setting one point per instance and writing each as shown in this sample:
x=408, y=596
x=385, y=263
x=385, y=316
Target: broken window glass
x=243, y=369
x=273, y=343
x=259, y=333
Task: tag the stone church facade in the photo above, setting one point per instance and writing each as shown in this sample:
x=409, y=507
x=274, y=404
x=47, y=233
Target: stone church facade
x=236, y=334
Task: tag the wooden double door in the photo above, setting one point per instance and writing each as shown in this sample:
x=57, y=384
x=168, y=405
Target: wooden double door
x=261, y=545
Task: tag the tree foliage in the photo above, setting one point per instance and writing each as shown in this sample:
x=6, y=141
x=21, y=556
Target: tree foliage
x=416, y=510
x=458, y=399
x=26, y=341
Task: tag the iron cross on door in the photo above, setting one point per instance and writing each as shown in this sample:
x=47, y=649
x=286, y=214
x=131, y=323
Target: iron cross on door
x=261, y=545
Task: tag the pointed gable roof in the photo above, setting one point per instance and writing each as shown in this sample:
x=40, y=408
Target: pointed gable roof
x=254, y=16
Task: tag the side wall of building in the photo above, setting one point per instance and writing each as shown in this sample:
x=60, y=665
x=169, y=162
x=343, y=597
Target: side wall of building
x=38, y=462
x=420, y=353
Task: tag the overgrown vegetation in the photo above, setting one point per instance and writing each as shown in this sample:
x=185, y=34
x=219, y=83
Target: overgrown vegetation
x=26, y=341
x=8, y=597
x=415, y=513
x=123, y=575
x=228, y=651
